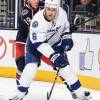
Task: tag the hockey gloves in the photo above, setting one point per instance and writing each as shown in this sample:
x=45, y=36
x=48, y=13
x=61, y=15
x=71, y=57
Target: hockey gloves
x=67, y=44
x=58, y=60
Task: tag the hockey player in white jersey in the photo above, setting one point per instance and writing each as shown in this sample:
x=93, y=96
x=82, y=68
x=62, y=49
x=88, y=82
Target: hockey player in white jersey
x=49, y=36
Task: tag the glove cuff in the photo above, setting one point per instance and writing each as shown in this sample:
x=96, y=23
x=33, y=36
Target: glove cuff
x=54, y=56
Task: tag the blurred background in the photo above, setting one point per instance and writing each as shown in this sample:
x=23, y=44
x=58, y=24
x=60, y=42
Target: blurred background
x=78, y=12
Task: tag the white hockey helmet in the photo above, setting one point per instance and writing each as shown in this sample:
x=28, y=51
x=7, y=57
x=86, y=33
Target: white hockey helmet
x=52, y=3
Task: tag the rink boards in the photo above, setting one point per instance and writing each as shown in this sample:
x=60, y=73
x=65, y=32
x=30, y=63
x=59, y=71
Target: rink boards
x=84, y=58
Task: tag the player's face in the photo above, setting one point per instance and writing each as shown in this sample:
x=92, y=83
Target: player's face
x=34, y=3
x=85, y=2
x=50, y=13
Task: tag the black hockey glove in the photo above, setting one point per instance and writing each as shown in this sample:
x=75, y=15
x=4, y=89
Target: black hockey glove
x=67, y=44
x=58, y=60
x=73, y=28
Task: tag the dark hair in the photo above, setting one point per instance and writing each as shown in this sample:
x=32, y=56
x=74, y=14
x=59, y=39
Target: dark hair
x=26, y=1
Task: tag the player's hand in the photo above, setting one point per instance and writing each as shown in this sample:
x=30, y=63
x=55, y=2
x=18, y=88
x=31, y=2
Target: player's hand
x=73, y=28
x=58, y=60
x=67, y=44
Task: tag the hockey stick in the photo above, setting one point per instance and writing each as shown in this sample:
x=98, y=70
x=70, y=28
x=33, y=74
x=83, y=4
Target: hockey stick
x=74, y=27
x=86, y=20
x=49, y=93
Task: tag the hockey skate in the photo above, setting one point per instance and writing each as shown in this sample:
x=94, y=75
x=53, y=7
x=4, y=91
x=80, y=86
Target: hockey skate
x=16, y=98
x=82, y=95
x=73, y=95
x=19, y=96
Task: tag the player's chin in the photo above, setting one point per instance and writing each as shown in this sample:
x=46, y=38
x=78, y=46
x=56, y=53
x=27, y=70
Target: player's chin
x=35, y=6
x=50, y=18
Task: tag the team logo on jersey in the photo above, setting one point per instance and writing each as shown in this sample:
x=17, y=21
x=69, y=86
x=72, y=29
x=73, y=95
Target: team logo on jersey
x=24, y=12
x=35, y=24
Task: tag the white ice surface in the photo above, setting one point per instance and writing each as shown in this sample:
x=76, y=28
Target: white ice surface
x=38, y=91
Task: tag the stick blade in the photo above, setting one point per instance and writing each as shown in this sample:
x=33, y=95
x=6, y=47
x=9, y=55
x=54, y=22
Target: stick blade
x=47, y=96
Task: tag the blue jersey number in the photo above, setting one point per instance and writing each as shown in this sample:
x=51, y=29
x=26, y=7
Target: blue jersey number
x=34, y=36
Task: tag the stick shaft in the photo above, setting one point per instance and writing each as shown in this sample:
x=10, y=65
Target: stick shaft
x=49, y=94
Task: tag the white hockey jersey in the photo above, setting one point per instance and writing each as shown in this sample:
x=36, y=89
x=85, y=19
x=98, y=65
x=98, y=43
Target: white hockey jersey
x=42, y=30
